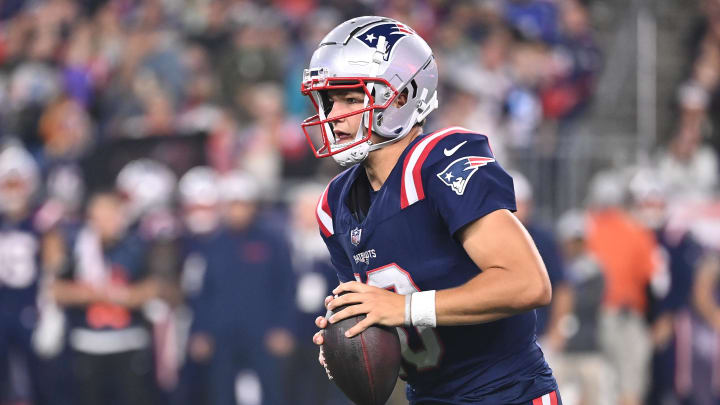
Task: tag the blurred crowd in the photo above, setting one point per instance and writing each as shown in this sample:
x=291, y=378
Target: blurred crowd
x=158, y=240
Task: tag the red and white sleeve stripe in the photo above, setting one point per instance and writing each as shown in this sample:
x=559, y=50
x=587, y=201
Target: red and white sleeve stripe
x=323, y=214
x=547, y=399
x=411, y=188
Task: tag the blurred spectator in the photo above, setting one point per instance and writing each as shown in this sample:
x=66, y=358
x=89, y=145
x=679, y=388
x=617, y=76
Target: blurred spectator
x=523, y=110
x=573, y=66
x=273, y=148
x=147, y=187
x=690, y=168
x=20, y=274
x=199, y=204
x=629, y=263
x=699, y=99
x=487, y=77
x=103, y=286
x=247, y=269
x=312, y=30
x=256, y=55
x=681, y=371
x=582, y=369
x=550, y=318
x=413, y=13
x=698, y=369
x=65, y=195
x=66, y=132
x=305, y=383
x=199, y=201
x=536, y=19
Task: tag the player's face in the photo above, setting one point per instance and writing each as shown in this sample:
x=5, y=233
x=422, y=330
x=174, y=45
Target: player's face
x=239, y=214
x=107, y=216
x=344, y=102
x=16, y=195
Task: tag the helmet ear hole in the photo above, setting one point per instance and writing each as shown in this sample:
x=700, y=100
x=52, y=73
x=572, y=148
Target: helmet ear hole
x=402, y=98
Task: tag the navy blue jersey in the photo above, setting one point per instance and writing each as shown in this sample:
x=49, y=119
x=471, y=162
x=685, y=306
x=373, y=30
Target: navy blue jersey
x=683, y=256
x=19, y=264
x=247, y=283
x=406, y=242
x=124, y=263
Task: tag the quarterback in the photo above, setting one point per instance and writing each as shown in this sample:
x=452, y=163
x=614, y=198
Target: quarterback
x=419, y=227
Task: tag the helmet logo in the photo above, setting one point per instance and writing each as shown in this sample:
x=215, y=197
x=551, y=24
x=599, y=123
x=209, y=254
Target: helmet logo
x=392, y=32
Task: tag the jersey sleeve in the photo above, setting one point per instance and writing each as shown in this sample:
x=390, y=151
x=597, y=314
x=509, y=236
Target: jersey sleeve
x=469, y=183
x=324, y=215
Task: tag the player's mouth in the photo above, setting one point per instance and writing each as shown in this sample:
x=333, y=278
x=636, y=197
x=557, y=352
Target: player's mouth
x=342, y=137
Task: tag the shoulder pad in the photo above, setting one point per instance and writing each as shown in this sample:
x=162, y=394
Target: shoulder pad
x=427, y=153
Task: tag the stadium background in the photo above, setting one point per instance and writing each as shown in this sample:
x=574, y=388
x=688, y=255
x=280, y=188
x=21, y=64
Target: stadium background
x=602, y=105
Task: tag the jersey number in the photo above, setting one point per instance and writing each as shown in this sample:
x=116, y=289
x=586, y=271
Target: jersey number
x=18, y=252
x=396, y=278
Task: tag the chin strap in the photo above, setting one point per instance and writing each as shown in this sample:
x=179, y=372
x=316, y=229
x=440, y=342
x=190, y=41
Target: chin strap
x=426, y=107
x=376, y=146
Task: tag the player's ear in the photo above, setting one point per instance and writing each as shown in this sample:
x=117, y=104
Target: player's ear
x=401, y=99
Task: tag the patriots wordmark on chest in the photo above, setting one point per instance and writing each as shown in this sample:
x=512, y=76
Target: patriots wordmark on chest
x=364, y=257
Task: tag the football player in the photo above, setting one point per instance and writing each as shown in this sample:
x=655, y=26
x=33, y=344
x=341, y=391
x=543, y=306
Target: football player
x=421, y=232
x=20, y=251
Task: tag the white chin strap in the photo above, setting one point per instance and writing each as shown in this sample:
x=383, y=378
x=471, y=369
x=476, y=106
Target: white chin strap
x=354, y=155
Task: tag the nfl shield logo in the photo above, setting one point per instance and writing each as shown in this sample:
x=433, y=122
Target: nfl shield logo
x=355, y=236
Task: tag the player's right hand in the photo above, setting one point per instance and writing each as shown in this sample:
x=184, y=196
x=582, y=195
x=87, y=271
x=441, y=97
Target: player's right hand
x=322, y=323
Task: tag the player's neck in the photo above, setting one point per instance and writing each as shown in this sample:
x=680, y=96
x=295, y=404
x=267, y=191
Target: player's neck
x=380, y=163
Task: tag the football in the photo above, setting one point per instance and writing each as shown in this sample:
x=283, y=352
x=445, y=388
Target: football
x=366, y=366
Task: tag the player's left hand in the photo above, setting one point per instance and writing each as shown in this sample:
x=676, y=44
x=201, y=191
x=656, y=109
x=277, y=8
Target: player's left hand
x=382, y=307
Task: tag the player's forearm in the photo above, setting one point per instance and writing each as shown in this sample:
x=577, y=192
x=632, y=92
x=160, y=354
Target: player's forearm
x=68, y=293
x=141, y=293
x=705, y=282
x=492, y=295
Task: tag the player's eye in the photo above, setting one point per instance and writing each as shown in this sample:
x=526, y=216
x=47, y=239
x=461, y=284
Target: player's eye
x=352, y=100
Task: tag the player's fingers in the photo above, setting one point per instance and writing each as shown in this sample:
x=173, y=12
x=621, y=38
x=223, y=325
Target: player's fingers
x=318, y=338
x=328, y=299
x=347, y=312
x=321, y=322
x=345, y=299
x=350, y=286
x=359, y=327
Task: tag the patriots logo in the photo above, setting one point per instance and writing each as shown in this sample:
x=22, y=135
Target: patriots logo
x=391, y=31
x=458, y=173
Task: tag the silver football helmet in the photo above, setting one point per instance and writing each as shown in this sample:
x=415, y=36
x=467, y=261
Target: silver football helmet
x=147, y=185
x=19, y=177
x=382, y=58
